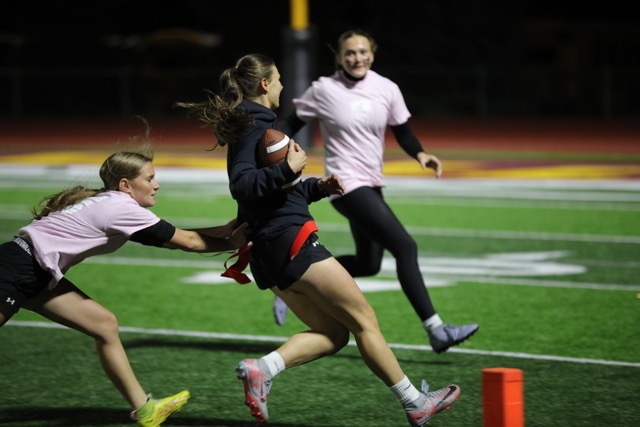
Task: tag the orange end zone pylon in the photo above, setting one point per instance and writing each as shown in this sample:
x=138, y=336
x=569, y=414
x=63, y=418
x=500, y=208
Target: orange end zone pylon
x=502, y=397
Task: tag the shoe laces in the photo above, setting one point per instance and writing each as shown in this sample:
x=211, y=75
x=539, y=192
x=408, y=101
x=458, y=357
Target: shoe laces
x=265, y=388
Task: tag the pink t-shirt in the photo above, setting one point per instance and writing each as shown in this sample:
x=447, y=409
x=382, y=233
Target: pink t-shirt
x=353, y=118
x=97, y=225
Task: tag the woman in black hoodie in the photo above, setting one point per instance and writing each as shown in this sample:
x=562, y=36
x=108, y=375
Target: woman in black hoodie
x=286, y=256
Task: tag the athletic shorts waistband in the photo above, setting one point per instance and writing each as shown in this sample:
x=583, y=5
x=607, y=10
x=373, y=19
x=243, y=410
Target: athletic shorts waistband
x=23, y=244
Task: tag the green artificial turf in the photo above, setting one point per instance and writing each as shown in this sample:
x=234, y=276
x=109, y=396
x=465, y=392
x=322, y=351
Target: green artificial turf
x=576, y=336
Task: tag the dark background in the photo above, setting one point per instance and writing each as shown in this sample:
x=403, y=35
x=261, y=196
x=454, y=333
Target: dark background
x=456, y=58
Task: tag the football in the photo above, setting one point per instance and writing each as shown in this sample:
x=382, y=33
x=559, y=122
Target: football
x=272, y=149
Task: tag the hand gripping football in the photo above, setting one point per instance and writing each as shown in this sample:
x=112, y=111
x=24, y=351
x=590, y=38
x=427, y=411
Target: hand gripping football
x=272, y=149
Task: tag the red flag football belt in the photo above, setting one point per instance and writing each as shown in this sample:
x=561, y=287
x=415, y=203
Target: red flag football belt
x=235, y=271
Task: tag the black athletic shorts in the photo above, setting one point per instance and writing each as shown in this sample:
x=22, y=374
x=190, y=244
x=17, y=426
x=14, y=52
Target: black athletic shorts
x=21, y=277
x=270, y=263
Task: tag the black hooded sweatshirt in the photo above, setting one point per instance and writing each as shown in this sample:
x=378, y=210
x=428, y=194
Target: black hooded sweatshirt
x=268, y=209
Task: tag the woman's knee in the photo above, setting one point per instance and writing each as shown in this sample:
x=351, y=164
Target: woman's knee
x=404, y=247
x=361, y=266
x=105, y=326
x=371, y=267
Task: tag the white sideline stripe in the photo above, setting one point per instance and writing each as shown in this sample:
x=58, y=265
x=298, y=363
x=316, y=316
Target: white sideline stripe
x=267, y=338
x=528, y=195
x=504, y=234
x=516, y=204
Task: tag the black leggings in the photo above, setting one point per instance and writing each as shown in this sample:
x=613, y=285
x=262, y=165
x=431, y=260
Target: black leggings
x=375, y=228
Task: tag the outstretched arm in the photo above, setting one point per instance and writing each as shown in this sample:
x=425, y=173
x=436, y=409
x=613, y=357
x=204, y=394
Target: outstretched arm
x=220, y=231
x=214, y=239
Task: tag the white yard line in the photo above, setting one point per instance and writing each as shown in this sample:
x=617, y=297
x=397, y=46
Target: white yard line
x=276, y=339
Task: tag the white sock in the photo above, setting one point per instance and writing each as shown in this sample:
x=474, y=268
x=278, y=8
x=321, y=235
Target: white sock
x=405, y=392
x=432, y=322
x=271, y=364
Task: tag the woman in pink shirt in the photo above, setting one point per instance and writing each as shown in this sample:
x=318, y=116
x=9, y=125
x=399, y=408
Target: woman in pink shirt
x=354, y=106
x=80, y=222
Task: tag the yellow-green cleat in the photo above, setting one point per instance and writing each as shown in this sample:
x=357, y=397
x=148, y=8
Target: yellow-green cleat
x=156, y=411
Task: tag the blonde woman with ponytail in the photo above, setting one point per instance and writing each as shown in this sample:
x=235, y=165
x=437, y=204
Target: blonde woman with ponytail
x=80, y=222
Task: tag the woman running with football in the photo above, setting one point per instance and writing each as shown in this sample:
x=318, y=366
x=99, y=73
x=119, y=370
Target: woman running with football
x=354, y=106
x=80, y=222
x=308, y=278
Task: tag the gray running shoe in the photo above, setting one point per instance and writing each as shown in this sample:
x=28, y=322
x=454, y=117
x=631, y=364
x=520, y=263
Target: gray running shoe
x=279, y=310
x=448, y=335
x=256, y=388
x=430, y=403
